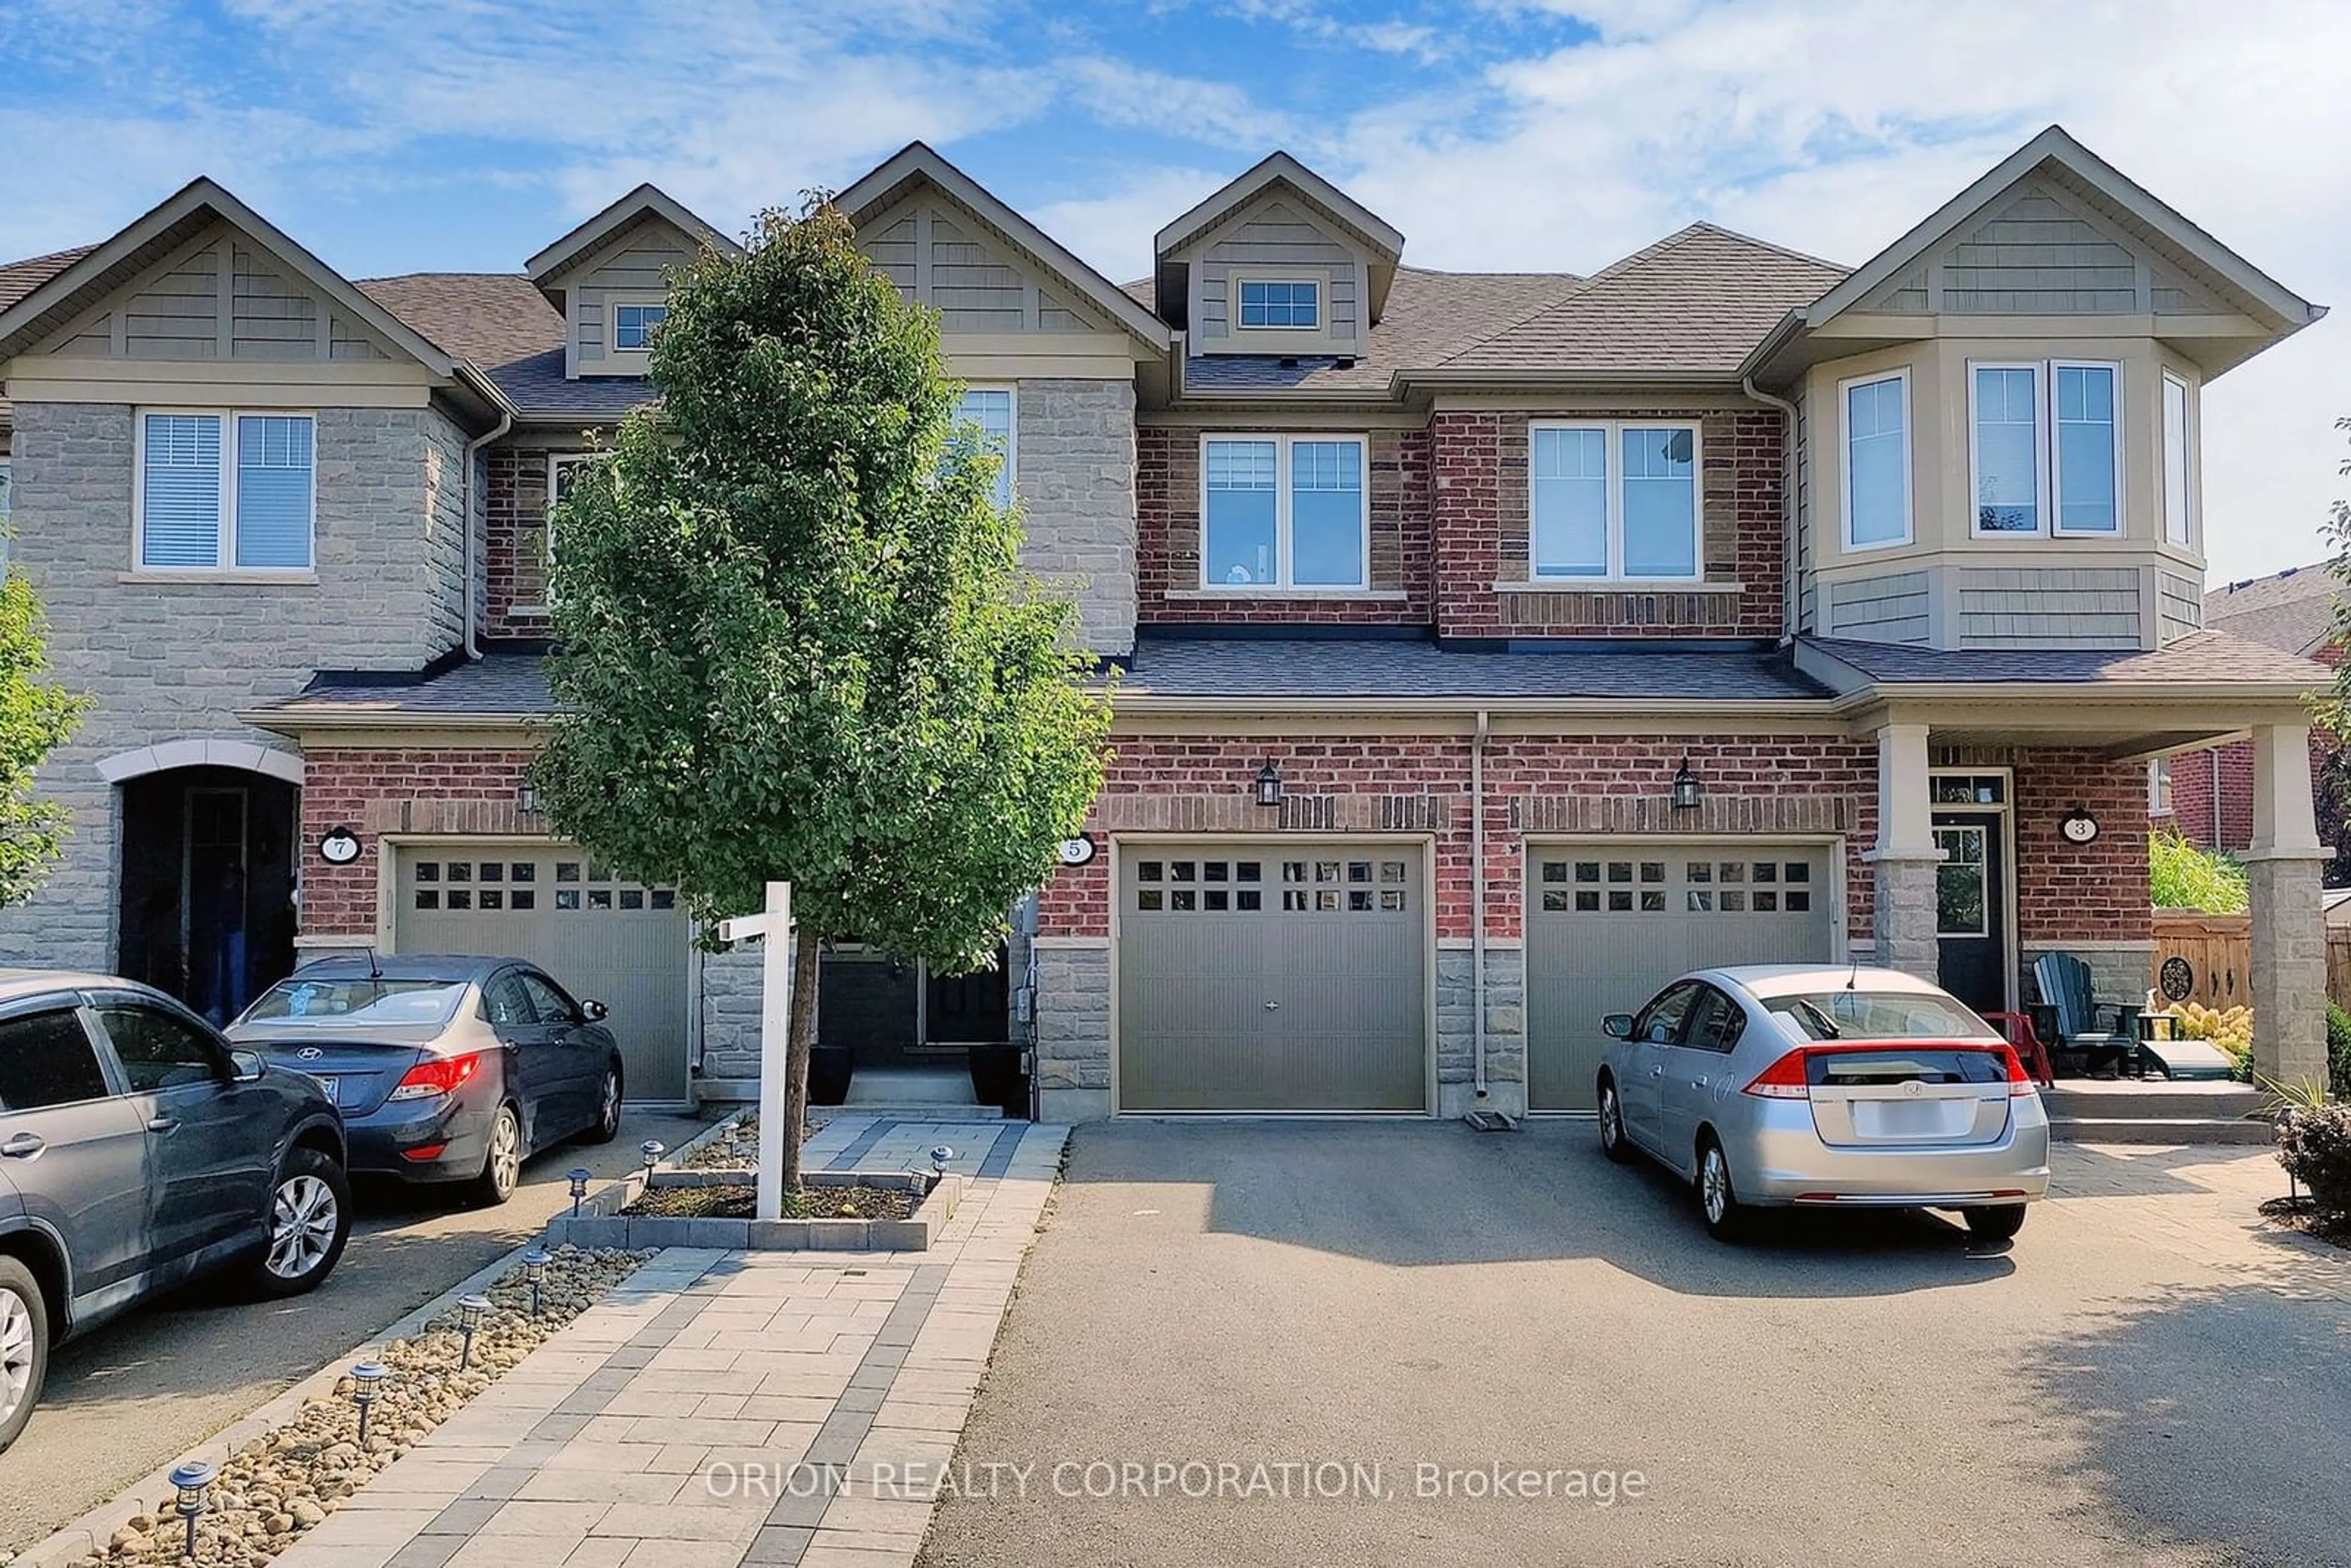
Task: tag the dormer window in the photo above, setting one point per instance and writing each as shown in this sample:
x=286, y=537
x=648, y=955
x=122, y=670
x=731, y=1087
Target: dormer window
x=632, y=325
x=1292, y=306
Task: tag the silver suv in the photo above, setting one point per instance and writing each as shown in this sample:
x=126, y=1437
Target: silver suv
x=137, y=1150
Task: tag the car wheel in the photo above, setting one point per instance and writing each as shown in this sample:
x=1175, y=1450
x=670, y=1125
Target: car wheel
x=23, y=1347
x=1612, y=1124
x=502, y=1166
x=1718, y=1200
x=309, y=1220
x=1997, y=1223
x=608, y=1108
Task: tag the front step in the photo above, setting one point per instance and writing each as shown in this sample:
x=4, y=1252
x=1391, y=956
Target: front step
x=932, y=1110
x=2160, y=1129
x=2155, y=1100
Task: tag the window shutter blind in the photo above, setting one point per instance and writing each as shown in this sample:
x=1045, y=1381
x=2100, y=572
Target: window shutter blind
x=273, y=491
x=180, y=507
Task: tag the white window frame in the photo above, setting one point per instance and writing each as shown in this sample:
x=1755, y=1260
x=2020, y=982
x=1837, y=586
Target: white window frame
x=2159, y=787
x=2190, y=521
x=612, y=342
x=1011, y=391
x=2049, y=491
x=618, y=361
x=1283, y=582
x=556, y=463
x=1320, y=283
x=1611, y=437
x=225, y=555
x=1900, y=373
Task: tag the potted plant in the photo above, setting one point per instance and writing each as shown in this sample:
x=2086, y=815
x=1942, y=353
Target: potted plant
x=999, y=1077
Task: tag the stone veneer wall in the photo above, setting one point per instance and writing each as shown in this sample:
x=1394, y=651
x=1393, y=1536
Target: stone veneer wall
x=177, y=659
x=1074, y=471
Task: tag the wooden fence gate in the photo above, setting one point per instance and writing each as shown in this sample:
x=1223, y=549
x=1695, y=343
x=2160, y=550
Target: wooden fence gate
x=2218, y=950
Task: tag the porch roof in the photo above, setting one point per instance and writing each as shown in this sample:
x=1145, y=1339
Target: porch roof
x=2199, y=660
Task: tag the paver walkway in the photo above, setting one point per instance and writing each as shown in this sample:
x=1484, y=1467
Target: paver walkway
x=725, y=1409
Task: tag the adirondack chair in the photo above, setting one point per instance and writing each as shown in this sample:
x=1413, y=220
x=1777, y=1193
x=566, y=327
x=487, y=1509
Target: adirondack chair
x=2104, y=1033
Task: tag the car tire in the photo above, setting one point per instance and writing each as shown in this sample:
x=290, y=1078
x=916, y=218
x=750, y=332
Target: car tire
x=1717, y=1199
x=309, y=1221
x=23, y=1347
x=502, y=1163
x=1995, y=1223
x=1612, y=1124
x=608, y=1108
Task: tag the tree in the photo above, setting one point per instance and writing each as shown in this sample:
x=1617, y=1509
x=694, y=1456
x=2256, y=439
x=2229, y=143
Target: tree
x=35, y=717
x=795, y=642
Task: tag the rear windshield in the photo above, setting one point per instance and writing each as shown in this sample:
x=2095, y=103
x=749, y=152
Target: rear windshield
x=1879, y=1015
x=362, y=1000
x=1858, y=1069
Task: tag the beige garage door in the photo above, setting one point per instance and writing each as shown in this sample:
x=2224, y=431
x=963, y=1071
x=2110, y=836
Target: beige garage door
x=1608, y=924
x=621, y=943
x=1272, y=978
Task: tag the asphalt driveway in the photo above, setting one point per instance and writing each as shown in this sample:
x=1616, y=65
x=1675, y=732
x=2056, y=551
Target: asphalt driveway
x=1372, y=1312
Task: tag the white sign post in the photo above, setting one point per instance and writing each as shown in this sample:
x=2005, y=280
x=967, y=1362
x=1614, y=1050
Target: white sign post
x=775, y=1030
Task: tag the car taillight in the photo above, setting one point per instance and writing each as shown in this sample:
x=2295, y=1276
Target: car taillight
x=1783, y=1080
x=2020, y=1083
x=442, y=1075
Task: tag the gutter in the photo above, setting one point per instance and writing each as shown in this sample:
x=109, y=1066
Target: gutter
x=1477, y=905
x=1788, y=595
x=469, y=372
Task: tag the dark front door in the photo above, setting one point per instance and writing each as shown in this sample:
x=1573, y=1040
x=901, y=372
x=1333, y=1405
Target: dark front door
x=966, y=1009
x=1972, y=908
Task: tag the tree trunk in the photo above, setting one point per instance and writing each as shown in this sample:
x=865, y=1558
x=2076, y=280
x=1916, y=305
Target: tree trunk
x=800, y=1041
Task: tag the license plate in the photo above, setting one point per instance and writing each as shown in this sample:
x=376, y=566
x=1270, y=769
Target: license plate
x=1905, y=1119
x=331, y=1087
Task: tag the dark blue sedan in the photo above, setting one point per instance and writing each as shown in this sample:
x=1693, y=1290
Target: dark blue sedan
x=446, y=1069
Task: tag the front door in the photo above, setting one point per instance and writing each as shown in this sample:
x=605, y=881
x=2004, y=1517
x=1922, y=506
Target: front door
x=1972, y=908
x=966, y=1009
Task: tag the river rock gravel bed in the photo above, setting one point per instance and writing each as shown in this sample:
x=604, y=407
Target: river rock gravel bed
x=278, y=1485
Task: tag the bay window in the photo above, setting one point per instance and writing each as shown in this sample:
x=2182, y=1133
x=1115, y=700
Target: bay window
x=2178, y=435
x=221, y=491
x=1876, y=461
x=1613, y=500
x=1283, y=511
x=2046, y=454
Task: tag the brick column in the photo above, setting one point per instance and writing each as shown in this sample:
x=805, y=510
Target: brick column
x=1904, y=857
x=2289, y=936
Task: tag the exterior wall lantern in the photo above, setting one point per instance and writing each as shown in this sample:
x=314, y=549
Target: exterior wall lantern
x=1269, y=784
x=1685, y=787
x=527, y=798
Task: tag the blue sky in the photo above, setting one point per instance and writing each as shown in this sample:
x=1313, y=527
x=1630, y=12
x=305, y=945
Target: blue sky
x=401, y=135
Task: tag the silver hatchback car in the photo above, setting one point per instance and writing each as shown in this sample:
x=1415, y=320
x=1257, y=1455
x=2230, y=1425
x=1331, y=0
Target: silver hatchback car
x=1776, y=1084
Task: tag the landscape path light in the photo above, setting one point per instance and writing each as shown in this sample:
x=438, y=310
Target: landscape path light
x=534, y=1269
x=580, y=1176
x=366, y=1379
x=193, y=1481
x=471, y=1311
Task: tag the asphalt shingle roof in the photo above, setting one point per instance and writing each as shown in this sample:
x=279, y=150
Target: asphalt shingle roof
x=495, y=683
x=19, y=278
x=1247, y=667
x=2293, y=610
x=2200, y=658
x=503, y=323
x=1697, y=300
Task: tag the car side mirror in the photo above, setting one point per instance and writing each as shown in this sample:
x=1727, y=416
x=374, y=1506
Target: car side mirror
x=247, y=1066
x=594, y=1012
x=1617, y=1026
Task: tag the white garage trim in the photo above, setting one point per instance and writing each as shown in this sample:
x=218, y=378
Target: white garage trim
x=1425, y=847
x=169, y=754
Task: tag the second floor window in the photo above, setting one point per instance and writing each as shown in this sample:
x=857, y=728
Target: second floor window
x=2179, y=448
x=2046, y=455
x=1283, y=511
x=632, y=325
x=990, y=408
x=1293, y=305
x=1878, y=461
x=1613, y=501
x=226, y=492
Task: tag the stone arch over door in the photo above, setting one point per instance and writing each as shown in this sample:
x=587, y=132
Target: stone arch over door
x=205, y=878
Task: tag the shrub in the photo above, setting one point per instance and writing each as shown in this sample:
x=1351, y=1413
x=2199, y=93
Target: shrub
x=2314, y=1147
x=2339, y=1051
x=2181, y=876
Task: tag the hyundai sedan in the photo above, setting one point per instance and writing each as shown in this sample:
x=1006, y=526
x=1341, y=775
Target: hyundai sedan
x=450, y=1070
x=1833, y=1088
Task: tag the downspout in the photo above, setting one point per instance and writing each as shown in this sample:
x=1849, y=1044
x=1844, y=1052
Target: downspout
x=473, y=453
x=1788, y=567
x=1477, y=904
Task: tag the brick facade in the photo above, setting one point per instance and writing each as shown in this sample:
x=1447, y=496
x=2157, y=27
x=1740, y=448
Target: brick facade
x=2225, y=774
x=515, y=544
x=2078, y=893
x=375, y=791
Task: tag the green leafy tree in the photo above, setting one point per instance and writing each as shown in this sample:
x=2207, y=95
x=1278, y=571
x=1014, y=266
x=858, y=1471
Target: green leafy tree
x=37, y=716
x=795, y=642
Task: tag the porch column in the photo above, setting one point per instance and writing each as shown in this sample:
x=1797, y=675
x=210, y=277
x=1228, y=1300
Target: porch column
x=2289, y=937
x=1905, y=856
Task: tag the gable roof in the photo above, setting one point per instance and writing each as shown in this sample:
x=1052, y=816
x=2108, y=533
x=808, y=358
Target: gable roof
x=584, y=240
x=1280, y=168
x=2292, y=611
x=1691, y=305
x=917, y=164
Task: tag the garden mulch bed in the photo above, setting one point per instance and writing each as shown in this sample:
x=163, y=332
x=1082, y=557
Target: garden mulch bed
x=2300, y=1214
x=742, y=1203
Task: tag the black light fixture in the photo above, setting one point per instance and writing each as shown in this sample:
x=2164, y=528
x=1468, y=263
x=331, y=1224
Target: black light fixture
x=579, y=1176
x=534, y=1269
x=1269, y=784
x=526, y=797
x=1684, y=786
x=472, y=1312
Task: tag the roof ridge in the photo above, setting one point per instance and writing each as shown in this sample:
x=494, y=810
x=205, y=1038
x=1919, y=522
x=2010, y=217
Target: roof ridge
x=1762, y=244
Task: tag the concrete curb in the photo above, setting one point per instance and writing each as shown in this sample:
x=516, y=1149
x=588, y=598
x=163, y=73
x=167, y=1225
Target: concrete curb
x=90, y=1533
